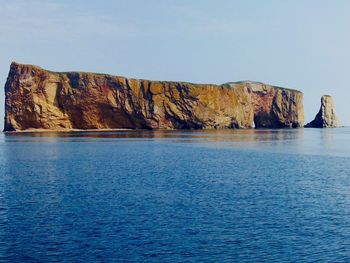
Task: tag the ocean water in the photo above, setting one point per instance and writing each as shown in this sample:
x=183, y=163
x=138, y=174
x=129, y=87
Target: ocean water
x=176, y=196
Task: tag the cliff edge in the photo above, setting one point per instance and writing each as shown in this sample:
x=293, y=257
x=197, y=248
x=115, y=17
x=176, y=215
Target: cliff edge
x=42, y=99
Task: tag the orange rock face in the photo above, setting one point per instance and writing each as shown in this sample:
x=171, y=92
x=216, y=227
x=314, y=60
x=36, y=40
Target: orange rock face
x=326, y=117
x=41, y=99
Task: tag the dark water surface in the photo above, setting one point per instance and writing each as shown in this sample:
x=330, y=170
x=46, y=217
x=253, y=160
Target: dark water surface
x=176, y=196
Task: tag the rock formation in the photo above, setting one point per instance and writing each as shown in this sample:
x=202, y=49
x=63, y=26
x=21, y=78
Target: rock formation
x=41, y=99
x=326, y=117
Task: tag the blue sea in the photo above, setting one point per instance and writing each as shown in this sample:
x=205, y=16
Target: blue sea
x=176, y=196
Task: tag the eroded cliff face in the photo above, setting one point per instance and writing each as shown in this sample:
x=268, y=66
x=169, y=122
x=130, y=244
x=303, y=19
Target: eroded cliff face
x=326, y=117
x=41, y=99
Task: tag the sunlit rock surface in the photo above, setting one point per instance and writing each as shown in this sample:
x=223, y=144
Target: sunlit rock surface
x=326, y=117
x=42, y=99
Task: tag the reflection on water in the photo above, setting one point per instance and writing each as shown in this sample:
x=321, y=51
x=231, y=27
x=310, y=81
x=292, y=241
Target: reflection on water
x=304, y=141
x=176, y=196
x=217, y=135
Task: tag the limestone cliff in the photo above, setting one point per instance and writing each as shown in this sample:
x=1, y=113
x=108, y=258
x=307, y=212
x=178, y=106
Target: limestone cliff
x=326, y=117
x=41, y=99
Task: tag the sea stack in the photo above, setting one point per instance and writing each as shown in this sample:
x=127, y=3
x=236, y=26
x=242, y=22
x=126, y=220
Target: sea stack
x=38, y=99
x=326, y=117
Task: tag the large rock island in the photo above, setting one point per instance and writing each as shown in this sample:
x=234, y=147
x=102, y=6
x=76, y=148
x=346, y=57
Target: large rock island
x=42, y=99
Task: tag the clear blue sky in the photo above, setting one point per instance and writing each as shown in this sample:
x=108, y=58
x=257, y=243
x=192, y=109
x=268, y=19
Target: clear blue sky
x=297, y=44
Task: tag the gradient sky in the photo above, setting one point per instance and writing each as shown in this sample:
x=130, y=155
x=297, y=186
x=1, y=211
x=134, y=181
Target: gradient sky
x=297, y=44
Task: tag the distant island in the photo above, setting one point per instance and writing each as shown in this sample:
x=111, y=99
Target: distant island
x=38, y=99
